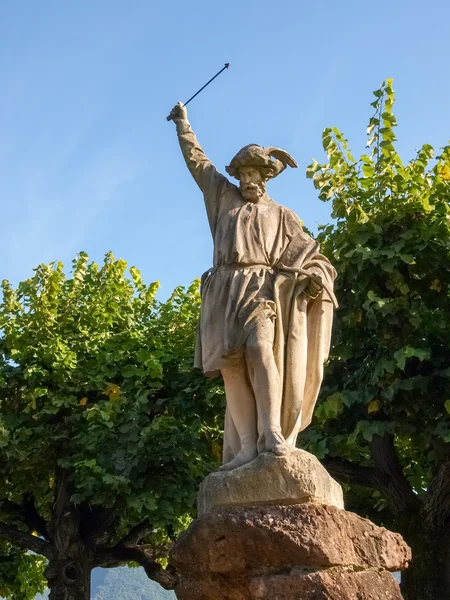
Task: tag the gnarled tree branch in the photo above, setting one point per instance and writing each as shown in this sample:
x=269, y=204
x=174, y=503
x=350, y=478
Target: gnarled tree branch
x=114, y=557
x=137, y=533
x=347, y=472
x=25, y=540
x=392, y=480
x=387, y=475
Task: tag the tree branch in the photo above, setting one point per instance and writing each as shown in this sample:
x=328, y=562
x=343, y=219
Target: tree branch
x=391, y=478
x=347, y=472
x=25, y=513
x=136, y=534
x=387, y=475
x=114, y=557
x=25, y=540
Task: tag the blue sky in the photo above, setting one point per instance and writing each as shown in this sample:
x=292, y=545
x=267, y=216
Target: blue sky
x=89, y=162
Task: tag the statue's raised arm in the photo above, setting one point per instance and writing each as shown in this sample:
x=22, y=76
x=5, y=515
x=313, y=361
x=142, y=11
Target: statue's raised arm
x=209, y=180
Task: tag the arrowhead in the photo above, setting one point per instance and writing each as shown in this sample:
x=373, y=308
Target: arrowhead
x=227, y=65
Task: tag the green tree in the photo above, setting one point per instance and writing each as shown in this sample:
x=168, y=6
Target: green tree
x=105, y=429
x=383, y=425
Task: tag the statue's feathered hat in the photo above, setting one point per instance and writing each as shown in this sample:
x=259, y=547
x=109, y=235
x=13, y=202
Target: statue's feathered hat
x=270, y=161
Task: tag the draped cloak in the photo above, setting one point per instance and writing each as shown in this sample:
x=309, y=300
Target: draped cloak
x=263, y=261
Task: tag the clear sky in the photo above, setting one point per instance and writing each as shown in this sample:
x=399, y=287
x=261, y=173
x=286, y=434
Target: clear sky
x=89, y=162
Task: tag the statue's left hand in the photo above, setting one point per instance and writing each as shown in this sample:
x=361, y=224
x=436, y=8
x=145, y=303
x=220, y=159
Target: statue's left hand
x=314, y=287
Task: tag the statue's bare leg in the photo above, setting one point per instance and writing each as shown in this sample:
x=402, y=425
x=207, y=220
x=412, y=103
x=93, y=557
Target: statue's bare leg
x=242, y=407
x=266, y=385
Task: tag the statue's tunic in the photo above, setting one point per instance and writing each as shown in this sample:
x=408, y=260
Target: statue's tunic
x=249, y=239
x=262, y=263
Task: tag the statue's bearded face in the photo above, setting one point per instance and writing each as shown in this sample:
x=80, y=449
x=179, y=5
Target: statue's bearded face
x=252, y=184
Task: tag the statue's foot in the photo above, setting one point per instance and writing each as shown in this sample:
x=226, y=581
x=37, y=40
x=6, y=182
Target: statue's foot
x=242, y=458
x=276, y=443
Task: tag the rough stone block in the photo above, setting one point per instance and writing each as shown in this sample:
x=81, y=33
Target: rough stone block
x=297, y=552
x=330, y=584
x=296, y=478
x=241, y=538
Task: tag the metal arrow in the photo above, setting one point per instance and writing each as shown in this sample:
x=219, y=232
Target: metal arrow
x=169, y=118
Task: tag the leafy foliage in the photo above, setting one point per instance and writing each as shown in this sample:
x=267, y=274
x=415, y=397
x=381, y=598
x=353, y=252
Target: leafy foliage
x=96, y=381
x=21, y=574
x=388, y=376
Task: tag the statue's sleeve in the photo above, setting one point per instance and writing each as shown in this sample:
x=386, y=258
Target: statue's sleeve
x=302, y=255
x=209, y=180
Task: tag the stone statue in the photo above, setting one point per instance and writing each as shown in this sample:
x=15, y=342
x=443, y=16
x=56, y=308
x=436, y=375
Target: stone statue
x=267, y=303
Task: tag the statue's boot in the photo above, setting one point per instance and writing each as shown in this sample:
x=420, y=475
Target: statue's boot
x=247, y=453
x=275, y=442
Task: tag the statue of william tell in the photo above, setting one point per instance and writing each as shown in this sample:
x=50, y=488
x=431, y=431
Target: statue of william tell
x=267, y=303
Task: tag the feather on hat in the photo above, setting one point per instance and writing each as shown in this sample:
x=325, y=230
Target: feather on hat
x=272, y=161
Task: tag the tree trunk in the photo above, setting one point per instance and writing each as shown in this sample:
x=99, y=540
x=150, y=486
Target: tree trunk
x=69, y=579
x=428, y=575
x=69, y=570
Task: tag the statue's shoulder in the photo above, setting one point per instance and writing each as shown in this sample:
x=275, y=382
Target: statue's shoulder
x=229, y=186
x=284, y=210
x=292, y=218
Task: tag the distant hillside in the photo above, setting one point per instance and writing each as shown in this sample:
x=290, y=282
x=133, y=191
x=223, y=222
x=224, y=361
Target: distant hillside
x=123, y=584
x=130, y=584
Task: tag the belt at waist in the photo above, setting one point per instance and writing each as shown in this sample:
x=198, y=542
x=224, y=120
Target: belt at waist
x=238, y=267
x=234, y=267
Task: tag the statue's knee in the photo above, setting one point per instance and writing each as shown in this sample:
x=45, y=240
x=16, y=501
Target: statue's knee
x=259, y=351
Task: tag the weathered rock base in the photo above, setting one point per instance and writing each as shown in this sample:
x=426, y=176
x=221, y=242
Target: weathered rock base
x=328, y=584
x=299, y=552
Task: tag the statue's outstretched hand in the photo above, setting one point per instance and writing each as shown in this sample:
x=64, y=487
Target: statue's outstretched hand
x=178, y=113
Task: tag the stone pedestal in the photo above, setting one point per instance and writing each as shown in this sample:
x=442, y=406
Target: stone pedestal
x=295, y=551
x=270, y=480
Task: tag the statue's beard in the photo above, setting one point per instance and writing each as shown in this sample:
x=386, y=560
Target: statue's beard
x=252, y=192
